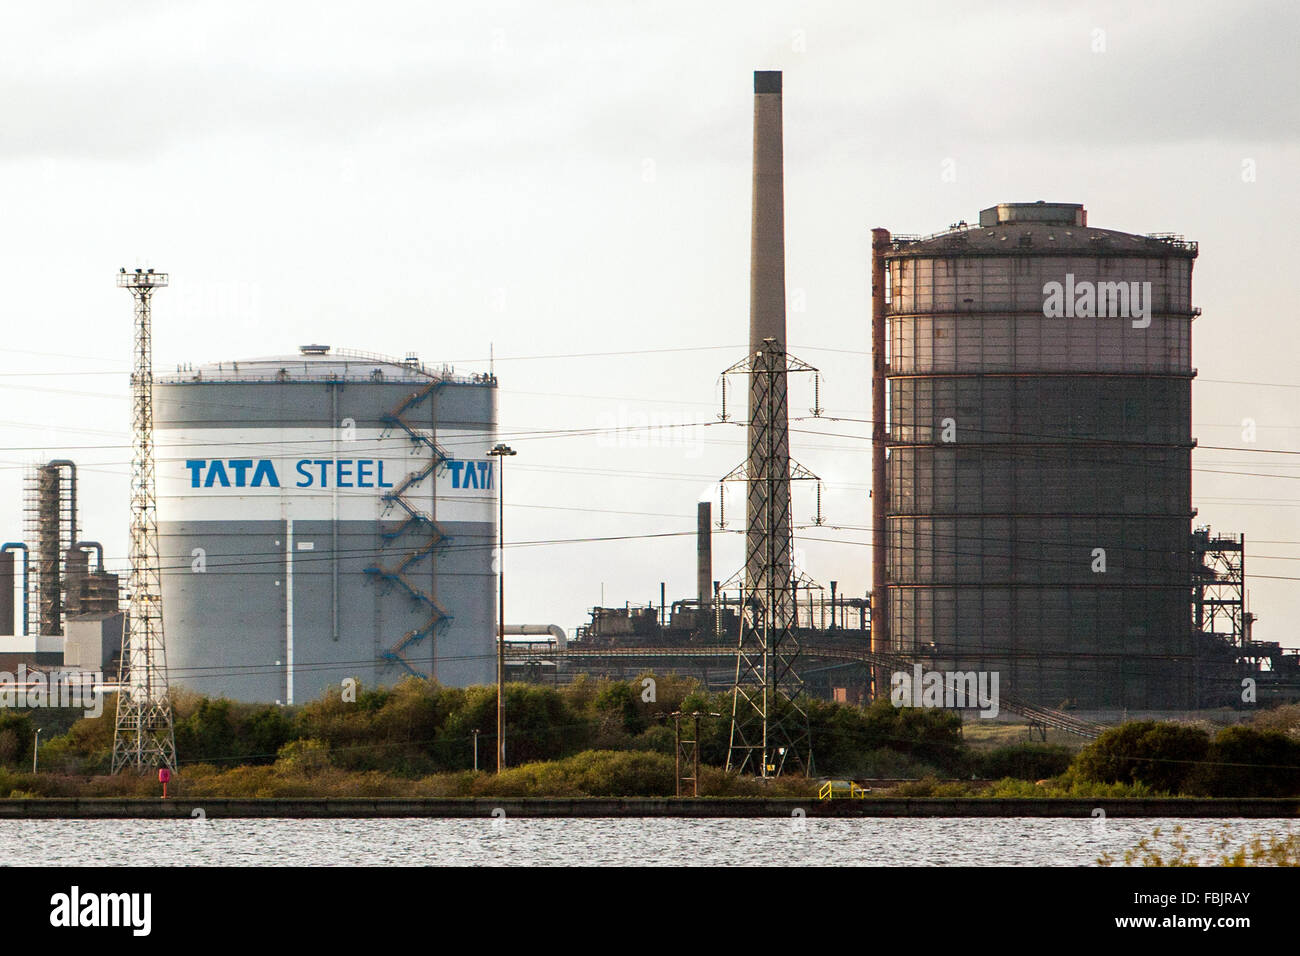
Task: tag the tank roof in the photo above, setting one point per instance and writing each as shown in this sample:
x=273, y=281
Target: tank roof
x=1039, y=228
x=321, y=363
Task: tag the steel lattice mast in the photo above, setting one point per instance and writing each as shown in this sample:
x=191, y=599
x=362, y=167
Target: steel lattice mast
x=769, y=727
x=144, y=736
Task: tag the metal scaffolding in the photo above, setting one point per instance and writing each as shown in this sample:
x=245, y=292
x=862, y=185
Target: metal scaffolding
x=1219, y=585
x=144, y=737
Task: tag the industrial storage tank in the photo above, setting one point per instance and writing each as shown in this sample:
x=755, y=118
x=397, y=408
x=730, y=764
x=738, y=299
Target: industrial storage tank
x=1039, y=472
x=324, y=516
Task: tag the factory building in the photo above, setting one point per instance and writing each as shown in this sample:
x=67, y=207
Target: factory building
x=67, y=612
x=1038, y=507
x=323, y=516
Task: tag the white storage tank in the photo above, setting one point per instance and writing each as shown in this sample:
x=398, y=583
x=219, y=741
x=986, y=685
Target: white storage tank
x=325, y=515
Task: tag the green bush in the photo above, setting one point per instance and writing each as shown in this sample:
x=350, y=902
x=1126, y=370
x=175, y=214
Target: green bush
x=1245, y=762
x=596, y=773
x=16, y=738
x=1162, y=756
x=1024, y=762
x=307, y=757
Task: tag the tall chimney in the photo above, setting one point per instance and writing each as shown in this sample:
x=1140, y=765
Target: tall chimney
x=704, y=554
x=768, y=466
x=767, y=238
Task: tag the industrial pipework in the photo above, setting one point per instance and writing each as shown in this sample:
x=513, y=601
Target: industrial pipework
x=7, y=585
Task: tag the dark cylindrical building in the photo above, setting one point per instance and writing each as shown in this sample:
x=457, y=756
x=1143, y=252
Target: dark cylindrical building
x=1039, y=473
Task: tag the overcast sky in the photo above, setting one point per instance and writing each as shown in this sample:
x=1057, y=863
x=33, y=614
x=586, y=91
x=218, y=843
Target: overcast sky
x=558, y=179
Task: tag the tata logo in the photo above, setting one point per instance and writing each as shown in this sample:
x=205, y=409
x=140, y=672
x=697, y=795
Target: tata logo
x=216, y=473
x=321, y=473
x=470, y=474
x=309, y=473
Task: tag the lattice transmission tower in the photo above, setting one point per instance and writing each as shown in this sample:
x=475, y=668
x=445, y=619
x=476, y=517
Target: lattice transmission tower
x=769, y=726
x=144, y=736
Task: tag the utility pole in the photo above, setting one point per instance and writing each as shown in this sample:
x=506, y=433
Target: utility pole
x=501, y=453
x=143, y=736
x=688, y=750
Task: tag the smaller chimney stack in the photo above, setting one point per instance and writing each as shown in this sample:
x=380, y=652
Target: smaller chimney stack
x=704, y=554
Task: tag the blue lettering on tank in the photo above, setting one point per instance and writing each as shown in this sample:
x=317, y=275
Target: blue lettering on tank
x=216, y=472
x=265, y=472
x=240, y=467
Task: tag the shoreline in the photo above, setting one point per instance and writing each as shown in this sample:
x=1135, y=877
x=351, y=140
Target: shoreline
x=93, y=808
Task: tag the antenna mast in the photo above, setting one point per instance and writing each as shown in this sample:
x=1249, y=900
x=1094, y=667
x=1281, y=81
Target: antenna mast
x=143, y=737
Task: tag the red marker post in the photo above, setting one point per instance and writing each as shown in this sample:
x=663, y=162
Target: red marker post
x=163, y=776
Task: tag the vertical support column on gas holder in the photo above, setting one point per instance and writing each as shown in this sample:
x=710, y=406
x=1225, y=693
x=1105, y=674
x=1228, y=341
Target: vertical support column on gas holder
x=879, y=438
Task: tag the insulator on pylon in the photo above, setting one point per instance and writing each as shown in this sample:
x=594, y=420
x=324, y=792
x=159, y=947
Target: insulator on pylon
x=817, y=519
x=817, y=396
x=723, y=416
x=722, y=506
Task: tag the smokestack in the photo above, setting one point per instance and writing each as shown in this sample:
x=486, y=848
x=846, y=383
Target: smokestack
x=703, y=554
x=768, y=466
x=767, y=238
x=879, y=437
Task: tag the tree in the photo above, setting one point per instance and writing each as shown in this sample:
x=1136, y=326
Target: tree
x=1161, y=755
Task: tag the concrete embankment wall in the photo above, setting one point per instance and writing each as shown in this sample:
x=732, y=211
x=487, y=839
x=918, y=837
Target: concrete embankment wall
x=187, y=809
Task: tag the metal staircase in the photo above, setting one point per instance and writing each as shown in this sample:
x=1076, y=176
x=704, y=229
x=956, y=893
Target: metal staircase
x=418, y=527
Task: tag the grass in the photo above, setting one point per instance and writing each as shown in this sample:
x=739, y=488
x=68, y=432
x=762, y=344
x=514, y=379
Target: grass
x=983, y=735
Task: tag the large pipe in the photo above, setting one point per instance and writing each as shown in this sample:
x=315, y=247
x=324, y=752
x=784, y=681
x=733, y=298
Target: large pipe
x=27, y=561
x=72, y=491
x=704, y=554
x=879, y=439
x=99, y=553
x=528, y=630
x=6, y=593
x=768, y=501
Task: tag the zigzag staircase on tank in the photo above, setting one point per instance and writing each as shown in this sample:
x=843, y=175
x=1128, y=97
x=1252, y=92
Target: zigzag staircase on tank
x=428, y=536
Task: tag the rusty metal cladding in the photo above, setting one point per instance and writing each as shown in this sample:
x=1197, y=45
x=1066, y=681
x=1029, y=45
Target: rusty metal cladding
x=1039, y=469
